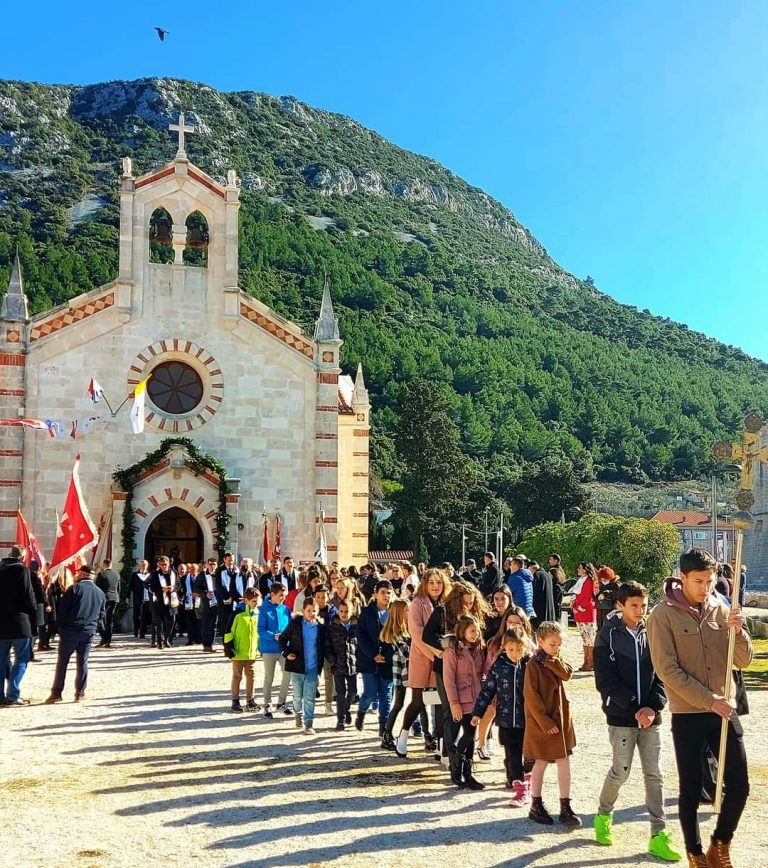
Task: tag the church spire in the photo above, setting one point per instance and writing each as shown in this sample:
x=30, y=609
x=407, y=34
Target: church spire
x=327, y=325
x=14, y=307
x=360, y=393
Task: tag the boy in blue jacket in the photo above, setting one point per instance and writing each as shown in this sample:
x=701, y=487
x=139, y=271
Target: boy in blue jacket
x=633, y=697
x=274, y=618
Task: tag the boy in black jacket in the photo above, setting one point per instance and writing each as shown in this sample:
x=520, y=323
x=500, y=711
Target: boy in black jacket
x=633, y=697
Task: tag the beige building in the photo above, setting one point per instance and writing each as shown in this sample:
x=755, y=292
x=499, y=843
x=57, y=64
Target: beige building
x=249, y=388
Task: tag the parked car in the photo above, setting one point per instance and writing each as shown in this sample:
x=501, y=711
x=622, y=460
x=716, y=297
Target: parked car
x=568, y=596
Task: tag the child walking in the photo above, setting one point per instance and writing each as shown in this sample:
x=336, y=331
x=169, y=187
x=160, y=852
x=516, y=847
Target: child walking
x=633, y=697
x=505, y=682
x=303, y=646
x=462, y=666
x=549, y=735
x=341, y=653
x=395, y=634
x=244, y=636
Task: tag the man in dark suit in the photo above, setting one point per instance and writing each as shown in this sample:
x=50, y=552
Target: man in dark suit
x=543, y=598
x=268, y=579
x=226, y=576
x=189, y=606
x=140, y=598
x=18, y=610
x=80, y=612
x=289, y=575
x=162, y=583
x=109, y=582
x=205, y=587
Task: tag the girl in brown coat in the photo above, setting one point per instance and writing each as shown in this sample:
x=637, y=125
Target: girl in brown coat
x=549, y=735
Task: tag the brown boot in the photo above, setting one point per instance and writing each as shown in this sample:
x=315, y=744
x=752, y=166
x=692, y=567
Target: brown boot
x=719, y=855
x=583, y=667
x=697, y=860
x=589, y=664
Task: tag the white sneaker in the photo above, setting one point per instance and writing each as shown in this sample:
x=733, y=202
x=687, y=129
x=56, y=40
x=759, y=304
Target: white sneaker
x=309, y=731
x=483, y=754
x=401, y=744
x=328, y=708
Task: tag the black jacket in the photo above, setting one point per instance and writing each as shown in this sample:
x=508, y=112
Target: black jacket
x=489, y=579
x=341, y=647
x=138, y=586
x=82, y=609
x=624, y=674
x=292, y=642
x=474, y=577
x=266, y=580
x=200, y=587
x=162, y=597
x=109, y=582
x=369, y=645
x=543, y=598
x=505, y=682
x=433, y=633
x=18, y=607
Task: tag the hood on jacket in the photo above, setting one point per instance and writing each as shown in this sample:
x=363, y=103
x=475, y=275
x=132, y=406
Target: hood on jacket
x=674, y=596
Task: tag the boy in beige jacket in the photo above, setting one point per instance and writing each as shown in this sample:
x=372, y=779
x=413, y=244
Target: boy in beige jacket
x=688, y=635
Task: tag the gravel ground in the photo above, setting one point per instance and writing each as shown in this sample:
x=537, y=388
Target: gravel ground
x=154, y=769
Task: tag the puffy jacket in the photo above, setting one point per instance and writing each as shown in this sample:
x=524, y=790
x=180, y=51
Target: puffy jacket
x=272, y=619
x=341, y=647
x=462, y=668
x=292, y=642
x=244, y=635
x=624, y=673
x=369, y=645
x=521, y=584
x=505, y=681
x=18, y=608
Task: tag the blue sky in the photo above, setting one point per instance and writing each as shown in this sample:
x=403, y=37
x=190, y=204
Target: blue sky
x=631, y=138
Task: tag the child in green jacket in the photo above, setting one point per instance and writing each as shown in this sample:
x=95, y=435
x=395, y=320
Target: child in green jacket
x=244, y=636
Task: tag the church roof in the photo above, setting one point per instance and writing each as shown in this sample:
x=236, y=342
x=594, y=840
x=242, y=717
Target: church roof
x=346, y=391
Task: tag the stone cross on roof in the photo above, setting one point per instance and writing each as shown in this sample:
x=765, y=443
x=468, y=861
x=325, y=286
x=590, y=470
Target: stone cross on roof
x=181, y=128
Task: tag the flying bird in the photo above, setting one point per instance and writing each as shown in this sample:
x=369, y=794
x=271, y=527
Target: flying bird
x=161, y=33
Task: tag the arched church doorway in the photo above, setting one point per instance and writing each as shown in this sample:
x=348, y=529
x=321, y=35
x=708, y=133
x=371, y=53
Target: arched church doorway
x=175, y=533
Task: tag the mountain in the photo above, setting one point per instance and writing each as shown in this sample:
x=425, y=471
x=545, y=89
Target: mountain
x=431, y=277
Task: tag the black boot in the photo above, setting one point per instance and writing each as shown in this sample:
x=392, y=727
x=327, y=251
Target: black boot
x=567, y=817
x=470, y=781
x=539, y=813
x=359, y=720
x=387, y=741
x=456, y=770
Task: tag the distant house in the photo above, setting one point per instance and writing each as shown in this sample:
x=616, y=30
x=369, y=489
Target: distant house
x=695, y=529
x=389, y=557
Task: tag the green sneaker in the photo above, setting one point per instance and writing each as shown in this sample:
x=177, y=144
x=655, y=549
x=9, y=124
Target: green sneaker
x=659, y=846
x=603, y=830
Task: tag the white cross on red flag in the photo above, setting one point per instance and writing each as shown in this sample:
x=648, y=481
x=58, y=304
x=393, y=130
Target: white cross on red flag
x=76, y=532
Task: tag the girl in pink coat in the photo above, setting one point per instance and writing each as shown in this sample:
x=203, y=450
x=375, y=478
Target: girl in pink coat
x=462, y=667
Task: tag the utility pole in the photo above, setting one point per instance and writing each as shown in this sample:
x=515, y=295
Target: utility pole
x=500, y=542
x=486, y=528
x=463, y=545
x=715, y=552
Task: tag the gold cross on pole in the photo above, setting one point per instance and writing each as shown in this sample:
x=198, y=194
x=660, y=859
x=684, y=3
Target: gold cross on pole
x=749, y=452
x=181, y=128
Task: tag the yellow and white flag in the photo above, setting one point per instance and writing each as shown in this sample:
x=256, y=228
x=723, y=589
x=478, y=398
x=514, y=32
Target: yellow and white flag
x=137, y=410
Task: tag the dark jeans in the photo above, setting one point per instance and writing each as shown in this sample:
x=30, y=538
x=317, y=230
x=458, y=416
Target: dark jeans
x=691, y=733
x=69, y=644
x=109, y=620
x=208, y=626
x=346, y=686
x=450, y=733
x=191, y=626
x=142, y=617
x=512, y=742
x=13, y=673
x=162, y=618
x=466, y=732
x=375, y=687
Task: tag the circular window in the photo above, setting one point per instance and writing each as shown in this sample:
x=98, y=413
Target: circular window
x=175, y=388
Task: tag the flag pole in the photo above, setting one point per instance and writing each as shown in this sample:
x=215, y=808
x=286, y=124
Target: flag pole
x=749, y=452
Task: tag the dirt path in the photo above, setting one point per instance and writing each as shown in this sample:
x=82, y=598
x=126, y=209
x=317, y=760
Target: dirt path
x=154, y=770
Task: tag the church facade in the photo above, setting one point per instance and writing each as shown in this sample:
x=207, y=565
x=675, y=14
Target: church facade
x=247, y=387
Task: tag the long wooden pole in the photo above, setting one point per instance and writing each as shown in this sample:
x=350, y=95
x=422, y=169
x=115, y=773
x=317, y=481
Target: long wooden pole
x=728, y=689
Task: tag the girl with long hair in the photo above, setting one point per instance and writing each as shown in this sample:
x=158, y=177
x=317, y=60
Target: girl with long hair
x=430, y=597
x=585, y=611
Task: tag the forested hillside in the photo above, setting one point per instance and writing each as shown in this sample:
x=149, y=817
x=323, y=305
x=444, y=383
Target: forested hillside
x=431, y=278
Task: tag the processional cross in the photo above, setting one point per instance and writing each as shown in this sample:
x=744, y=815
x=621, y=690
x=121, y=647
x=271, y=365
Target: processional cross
x=748, y=452
x=181, y=128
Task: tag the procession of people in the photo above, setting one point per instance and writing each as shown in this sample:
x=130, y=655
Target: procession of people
x=406, y=653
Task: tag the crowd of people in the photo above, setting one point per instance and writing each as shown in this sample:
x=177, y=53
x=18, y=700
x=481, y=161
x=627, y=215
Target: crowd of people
x=474, y=648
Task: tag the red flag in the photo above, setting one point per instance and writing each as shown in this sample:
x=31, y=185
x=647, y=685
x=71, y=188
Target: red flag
x=75, y=533
x=264, y=556
x=25, y=537
x=278, y=540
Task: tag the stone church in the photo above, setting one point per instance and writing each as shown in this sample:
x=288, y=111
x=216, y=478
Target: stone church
x=248, y=387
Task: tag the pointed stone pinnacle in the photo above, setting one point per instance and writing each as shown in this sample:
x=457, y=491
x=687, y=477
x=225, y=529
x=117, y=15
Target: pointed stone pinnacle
x=327, y=326
x=14, y=307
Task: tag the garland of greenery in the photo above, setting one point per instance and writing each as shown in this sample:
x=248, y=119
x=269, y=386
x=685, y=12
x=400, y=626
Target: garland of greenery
x=127, y=479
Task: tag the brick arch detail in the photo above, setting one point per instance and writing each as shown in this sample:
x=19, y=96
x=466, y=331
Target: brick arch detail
x=199, y=358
